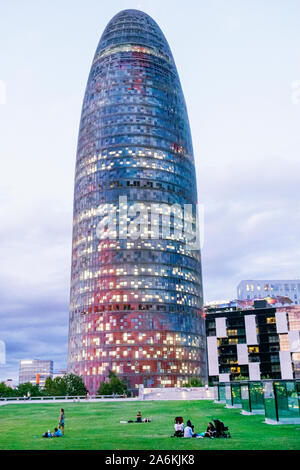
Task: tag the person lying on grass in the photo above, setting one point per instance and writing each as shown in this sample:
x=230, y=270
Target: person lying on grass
x=144, y=420
x=57, y=433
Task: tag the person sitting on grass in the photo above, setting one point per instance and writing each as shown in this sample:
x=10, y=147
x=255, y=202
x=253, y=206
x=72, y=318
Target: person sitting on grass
x=179, y=427
x=210, y=431
x=188, y=432
x=139, y=417
x=188, y=423
x=57, y=433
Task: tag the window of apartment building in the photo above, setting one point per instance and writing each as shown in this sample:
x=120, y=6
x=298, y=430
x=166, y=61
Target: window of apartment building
x=273, y=339
x=232, y=332
x=284, y=342
x=274, y=358
x=233, y=341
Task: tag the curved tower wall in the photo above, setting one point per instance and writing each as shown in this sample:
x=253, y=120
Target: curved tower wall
x=136, y=297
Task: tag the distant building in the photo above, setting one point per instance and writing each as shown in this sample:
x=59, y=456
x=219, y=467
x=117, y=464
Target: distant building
x=9, y=383
x=251, y=289
x=60, y=373
x=35, y=371
x=259, y=341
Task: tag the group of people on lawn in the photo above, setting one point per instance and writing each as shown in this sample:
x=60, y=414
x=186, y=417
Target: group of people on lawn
x=181, y=430
x=187, y=430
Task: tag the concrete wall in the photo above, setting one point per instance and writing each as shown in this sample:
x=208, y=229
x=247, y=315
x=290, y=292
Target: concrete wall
x=195, y=393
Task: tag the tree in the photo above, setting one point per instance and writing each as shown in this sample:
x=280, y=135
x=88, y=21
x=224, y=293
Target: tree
x=6, y=391
x=55, y=387
x=115, y=385
x=28, y=388
x=105, y=389
x=74, y=385
x=69, y=384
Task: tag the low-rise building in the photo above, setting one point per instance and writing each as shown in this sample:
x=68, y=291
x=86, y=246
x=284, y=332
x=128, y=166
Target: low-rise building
x=35, y=371
x=9, y=383
x=60, y=373
x=259, y=289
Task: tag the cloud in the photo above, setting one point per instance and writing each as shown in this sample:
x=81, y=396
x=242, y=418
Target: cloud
x=35, y=261
x=252, y=219
x=34, y=327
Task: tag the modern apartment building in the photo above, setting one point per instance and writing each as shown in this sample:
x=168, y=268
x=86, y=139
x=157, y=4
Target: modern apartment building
x=254, y=343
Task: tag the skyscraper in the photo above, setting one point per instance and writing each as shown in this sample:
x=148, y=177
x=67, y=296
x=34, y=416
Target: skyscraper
x=136, y=283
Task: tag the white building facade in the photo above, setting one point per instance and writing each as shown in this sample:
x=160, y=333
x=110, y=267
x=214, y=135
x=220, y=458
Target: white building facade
x=35, y=371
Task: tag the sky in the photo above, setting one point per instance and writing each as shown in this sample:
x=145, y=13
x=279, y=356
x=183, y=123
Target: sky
x=239, y=65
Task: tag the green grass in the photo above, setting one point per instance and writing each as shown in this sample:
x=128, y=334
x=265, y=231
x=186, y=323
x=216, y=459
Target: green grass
x=97, y=426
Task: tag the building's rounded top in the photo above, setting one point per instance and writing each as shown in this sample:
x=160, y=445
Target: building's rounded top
x=136, y=28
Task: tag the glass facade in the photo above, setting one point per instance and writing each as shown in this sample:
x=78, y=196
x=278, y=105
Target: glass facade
x=252, y=397
x=271, y=411
x=245, y=397
x=236, y=394
x=228, y=394
x=256, y=391
x=221, y=393
x=233, y=394
x=282, y=400
x=136, y=302
x=287, y=397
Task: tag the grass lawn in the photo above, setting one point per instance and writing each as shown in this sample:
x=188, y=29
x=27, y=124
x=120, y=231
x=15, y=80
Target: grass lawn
x=97, y=426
